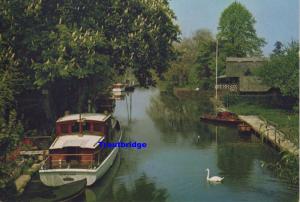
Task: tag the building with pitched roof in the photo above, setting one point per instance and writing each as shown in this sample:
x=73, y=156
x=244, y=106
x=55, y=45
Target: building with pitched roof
x=240, y=76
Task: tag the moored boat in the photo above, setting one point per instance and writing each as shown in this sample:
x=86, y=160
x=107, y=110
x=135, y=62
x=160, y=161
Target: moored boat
x=244, y=128
x=76, y=154
x=118, y=87
x=222, y=118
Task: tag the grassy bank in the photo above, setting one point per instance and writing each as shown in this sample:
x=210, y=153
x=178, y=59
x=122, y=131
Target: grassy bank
x=285, y=121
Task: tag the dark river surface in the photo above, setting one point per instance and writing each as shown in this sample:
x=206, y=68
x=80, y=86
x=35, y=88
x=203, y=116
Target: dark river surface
x=179, y=149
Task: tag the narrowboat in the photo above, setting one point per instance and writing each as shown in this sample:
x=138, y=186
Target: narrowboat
x=76, y=154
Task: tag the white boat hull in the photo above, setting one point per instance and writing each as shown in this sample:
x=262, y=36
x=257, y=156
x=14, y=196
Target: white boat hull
x=57, y=177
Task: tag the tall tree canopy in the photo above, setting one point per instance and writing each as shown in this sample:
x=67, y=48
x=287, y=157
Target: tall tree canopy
x=55, y=55
x=195, y=63
x=278, y=48
x=237, y=33
x=282, y=70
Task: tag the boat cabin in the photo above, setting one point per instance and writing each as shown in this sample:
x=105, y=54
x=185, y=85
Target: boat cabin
x=77, y=141
x=119, y=85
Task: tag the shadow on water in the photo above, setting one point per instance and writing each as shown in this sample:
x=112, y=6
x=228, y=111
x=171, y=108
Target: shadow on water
x=142, y=189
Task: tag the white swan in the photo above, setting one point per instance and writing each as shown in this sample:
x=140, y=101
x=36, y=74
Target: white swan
x=214, y=178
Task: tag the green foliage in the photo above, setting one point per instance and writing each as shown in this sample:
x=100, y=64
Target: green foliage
x=206, y=61
x=10, y=132
x=287, y=122
x=195, y=64
x=282, y=71
x=56, y=55
x=72, y=53
x=177, y=75
x=287, y=168
x=10, y=85
x=237, y=33
x=278, y=48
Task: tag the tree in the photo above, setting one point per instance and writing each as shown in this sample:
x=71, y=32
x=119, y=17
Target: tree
x=205, y=62
x=195, y=63
x=10, y=86
x=278, y=48
x=237, y=32
x=76, y=48
x=56, y=55
x=178, y=73
x=282, y=71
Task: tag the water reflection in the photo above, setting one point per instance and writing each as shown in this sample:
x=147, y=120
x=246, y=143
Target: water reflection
x=180, y=148
x=171, y=113
x=142, y=190
x=180, y=116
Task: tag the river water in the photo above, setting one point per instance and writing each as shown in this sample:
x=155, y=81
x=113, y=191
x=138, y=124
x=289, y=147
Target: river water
x=179, y=149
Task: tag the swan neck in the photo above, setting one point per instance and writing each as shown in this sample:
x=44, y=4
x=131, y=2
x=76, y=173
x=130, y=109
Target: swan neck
x=207, y=174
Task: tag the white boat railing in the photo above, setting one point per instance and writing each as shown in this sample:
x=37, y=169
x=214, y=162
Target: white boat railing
x=70, y=161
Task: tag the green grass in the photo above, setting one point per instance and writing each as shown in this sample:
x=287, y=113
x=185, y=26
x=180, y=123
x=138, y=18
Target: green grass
x=285, y=121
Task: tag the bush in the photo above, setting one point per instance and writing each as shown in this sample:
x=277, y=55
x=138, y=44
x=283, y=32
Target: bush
x=287, y=167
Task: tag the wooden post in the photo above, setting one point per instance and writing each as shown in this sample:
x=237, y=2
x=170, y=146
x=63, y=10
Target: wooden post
x=80, y=125
x=217, y=46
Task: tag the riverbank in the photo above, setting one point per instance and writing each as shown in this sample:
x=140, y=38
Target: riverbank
x=22, y=181
x=264, y=128
x=271, y=133
x=16, y=175
x=285, y=121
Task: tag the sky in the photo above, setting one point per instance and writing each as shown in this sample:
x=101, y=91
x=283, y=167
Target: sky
x=276, y=20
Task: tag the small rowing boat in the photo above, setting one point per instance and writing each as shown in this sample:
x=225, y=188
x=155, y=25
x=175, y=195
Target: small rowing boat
x=222, y=118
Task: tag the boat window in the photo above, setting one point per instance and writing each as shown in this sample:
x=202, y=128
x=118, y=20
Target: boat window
x=98, y=127
x=75, y=127
x=64, y=128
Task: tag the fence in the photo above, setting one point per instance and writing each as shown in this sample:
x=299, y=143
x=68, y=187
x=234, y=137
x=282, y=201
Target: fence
x=279, y=134
x=229, y=87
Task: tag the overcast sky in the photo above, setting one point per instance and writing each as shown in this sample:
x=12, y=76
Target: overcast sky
x=277, y=20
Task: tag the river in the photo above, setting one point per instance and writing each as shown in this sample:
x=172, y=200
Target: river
x=179, y=149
